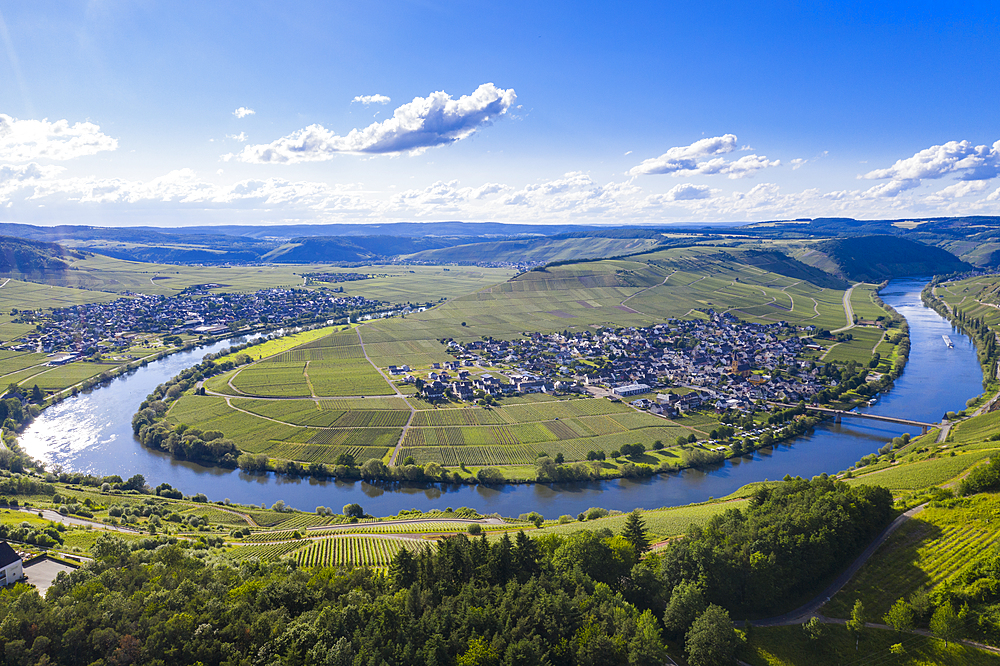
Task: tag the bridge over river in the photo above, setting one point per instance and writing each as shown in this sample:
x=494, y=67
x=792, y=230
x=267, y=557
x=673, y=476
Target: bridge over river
x=840, y=413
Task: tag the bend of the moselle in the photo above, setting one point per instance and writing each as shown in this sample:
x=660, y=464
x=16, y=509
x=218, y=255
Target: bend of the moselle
x=92, y=433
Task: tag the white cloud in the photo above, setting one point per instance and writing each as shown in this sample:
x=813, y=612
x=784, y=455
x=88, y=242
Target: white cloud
x=243, y=112
x=701, y=158
x=425, y=122
x=371, y=99
x=241, y=137
x=798, y=163
x=961, y=158
x=687, y=192
x=961, y=189
x=891, y=189
x=23, y=140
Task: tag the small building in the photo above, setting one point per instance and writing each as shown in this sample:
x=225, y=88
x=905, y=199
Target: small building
x=630, y=389
x=11, y=567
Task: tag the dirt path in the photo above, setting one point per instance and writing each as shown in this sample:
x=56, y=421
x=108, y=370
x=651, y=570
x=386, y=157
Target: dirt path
x=399, y=443
x=811, y=608
x=647, y=289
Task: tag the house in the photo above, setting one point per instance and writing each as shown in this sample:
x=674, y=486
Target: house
x=11, y=568
x=434, y=390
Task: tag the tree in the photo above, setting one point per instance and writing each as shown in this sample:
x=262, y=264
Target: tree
x=712, y=639
x=36, y=394
x=490, y=475
x=813, y=628
x=856, y=624
x=636, y=533
x=353, y=511
x=402, y=569
x=687, y=602
x=136, y=482
x=945, y=623
x=900, y=616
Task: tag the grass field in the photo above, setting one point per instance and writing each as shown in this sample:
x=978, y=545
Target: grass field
x=790, y=646
x=928, y=550
x=416, y=284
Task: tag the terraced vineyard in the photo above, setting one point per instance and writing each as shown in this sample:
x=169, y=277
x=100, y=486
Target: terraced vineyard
x=357, y=551
x=424, y=527
x=928, y=550
x=267, y=552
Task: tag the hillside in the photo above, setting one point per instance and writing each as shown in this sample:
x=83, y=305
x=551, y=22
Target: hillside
x=32, y=258
x=878, y=258
x=355, y=249
x=536, y=250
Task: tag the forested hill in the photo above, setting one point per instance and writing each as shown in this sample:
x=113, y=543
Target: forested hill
x=354, y=249
x=878, y=258
x=581, y=599
x=23, y=257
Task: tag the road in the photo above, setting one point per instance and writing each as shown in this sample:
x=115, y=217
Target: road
x=848, y=310
x=811, y=608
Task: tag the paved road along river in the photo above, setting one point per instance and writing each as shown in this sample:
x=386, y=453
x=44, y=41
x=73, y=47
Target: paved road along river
x=93, y=433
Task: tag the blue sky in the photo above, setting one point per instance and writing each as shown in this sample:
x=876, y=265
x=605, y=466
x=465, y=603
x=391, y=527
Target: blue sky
x=125, y=112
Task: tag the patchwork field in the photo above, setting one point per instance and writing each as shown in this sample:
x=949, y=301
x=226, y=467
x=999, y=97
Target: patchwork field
x=321, y=399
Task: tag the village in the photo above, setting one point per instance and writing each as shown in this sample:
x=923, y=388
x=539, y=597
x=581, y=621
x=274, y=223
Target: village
x=83, y=330
x=719, y=362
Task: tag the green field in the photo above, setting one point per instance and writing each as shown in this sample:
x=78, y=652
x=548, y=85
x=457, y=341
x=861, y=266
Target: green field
x=930, y=549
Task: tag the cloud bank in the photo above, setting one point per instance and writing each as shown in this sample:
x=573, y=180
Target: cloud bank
x=435, y=120
x=243, y=112
x=24, y=140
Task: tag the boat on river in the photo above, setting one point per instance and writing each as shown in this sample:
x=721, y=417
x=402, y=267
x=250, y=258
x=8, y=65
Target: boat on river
x=948, y=342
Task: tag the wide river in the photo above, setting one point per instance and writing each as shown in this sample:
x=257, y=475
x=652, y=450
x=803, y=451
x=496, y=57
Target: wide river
x=92, y=433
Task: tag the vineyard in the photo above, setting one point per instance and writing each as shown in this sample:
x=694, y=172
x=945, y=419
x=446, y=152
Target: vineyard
x=357, y=551
x=928, y=550
x=423, y=527
x=267, y=552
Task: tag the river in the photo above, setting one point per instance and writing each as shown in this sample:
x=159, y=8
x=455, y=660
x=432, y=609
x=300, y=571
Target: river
x=92, y=433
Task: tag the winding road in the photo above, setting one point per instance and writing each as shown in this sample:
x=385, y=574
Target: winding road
x=848, y=310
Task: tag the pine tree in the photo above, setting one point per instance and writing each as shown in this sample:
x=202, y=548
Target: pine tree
x=635, y=531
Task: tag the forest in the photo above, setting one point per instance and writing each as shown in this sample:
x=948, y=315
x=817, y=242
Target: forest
x=591, y=597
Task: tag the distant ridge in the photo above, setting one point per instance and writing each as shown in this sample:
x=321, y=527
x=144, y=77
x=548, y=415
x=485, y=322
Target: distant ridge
x=877, y=258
